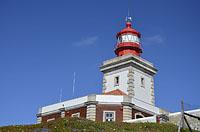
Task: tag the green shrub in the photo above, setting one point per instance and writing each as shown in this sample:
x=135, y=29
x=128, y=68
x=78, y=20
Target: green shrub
x=83, y=125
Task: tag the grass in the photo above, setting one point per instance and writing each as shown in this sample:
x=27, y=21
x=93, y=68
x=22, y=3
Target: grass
x=83, y=125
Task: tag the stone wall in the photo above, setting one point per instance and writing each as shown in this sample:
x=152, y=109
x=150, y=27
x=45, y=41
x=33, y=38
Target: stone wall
x=91, y=112
x=194, y=123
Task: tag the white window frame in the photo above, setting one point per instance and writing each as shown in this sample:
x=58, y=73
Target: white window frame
x=140, y=114
x=76, y=115
x=62, y=114
x=51, y=119
x=104, y=115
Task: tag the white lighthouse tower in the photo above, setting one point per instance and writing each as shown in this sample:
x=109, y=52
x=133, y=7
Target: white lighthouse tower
x=128, y=73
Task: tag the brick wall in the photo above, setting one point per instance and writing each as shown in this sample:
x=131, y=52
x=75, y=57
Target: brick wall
x=81, y=110
x=55, y=115
x=117, y=108
x=99, y=113
x=68, y=113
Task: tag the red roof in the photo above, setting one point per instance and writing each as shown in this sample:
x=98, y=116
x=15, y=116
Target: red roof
x=128, y=29
x=115, y=92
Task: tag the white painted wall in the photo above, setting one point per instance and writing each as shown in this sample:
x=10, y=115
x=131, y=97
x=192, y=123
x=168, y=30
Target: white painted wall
x=145, y=119
x=68, y=103
x=123, y=79
x=142, y=93
x=106, y=99
x=146, y=106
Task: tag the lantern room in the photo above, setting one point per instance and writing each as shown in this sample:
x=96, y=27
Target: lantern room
x=128, y=40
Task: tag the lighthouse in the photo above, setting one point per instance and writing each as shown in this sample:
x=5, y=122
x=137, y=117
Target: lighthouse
x=127, y=87
x=129, y=73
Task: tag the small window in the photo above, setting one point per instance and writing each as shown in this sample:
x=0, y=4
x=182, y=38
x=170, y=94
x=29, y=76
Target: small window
x=77, y=115
x=109, y=116
x=142, y=82
x=139, y=115
x=116, y=81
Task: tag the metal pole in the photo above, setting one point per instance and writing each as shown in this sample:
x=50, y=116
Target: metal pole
x=181, y=124
x=74, y=81
x=60, y=95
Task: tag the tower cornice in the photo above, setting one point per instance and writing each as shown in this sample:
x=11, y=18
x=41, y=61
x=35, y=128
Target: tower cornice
x=128, y=60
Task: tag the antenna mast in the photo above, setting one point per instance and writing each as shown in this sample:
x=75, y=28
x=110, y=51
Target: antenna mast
x=74, y=81
x=60, y=95
x=128, y=18
x=128, y=12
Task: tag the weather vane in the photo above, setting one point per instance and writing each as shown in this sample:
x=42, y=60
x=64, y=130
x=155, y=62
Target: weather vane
x=128, y=19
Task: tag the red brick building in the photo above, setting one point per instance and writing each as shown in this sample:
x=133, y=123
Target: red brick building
x=127, y=90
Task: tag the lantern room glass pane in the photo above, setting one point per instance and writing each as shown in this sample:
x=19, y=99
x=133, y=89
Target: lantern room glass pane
x=128, y=38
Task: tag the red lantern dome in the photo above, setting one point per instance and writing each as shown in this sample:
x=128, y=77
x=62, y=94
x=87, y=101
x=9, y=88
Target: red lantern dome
x=128, y=40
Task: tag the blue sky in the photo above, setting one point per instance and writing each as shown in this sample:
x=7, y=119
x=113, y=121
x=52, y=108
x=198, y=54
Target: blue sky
x=43, y=42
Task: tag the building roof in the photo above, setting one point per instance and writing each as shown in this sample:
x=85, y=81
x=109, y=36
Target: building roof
x=115, y=92
x=100, y=99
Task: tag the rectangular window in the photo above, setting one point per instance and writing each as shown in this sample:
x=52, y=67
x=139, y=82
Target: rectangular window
x=109, y=116
x=116, y=81
x=76, y=115
x=142, y=82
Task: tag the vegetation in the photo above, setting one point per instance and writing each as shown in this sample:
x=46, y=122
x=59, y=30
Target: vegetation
x=83, y=125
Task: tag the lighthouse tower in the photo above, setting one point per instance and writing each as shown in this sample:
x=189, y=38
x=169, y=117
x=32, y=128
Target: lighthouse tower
x=128, y=73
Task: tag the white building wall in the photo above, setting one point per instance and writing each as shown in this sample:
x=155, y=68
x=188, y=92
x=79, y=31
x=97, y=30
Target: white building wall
x=68, y=103
x=145, y=119
x=123, y=79
x=142, y=93
x=107, y=99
